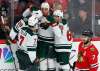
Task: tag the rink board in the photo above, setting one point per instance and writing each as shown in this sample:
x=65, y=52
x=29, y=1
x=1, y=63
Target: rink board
x=7, y=62
x=6, y=58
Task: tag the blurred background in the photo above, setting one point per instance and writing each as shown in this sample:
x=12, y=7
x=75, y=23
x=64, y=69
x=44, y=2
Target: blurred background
x=81, y=14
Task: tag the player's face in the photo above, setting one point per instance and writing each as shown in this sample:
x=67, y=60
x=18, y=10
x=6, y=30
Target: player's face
x=33, y=28
x=57, y=18
x=45, y=11
x=85, y=39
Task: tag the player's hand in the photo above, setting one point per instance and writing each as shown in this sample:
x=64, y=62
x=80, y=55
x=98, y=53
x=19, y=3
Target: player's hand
x=44, y=23
x=37, y=60
x=54, y=24
x=8, y=42
x=7, y=28
x=44, y=20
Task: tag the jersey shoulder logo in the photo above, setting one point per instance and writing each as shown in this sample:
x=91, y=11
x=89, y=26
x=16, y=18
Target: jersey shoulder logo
x=92, y=49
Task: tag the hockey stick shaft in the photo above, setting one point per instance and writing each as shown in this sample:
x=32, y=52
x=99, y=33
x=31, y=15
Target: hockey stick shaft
x=7, y=39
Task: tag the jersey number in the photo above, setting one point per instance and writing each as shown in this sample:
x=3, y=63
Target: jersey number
x=21, y=40
x=93, y=57
x=69, y=36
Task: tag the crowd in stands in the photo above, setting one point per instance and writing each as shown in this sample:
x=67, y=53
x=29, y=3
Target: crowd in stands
x=77, y=12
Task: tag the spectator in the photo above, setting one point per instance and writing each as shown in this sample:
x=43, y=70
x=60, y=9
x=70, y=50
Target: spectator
x=80, y=11
x=17, y=11
x=83, y=15
x=4, y=18
x=4, y=8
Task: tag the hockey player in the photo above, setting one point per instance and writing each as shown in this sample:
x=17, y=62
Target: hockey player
x=61, y=41
x=24, y=21
x=15, y=29
x=87, y=54
x=27, y=43
x=45, y=43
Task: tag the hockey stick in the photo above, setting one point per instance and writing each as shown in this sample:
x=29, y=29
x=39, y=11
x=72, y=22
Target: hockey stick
x=72, y=66
x=49, y=54
x=7, y=39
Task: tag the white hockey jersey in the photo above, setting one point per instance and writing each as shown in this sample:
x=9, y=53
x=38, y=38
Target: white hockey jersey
x=27, y=39
x=46, y=35
x=16, y=28
x=60, y=32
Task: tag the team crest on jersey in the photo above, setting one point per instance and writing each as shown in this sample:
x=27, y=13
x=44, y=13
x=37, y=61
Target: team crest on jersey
x=80, y=58
x=92, y=49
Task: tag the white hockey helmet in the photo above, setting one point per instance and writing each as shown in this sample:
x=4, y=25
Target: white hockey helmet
x=45, y=5
x=58, y=13
x=38, y=13
x=32, y=21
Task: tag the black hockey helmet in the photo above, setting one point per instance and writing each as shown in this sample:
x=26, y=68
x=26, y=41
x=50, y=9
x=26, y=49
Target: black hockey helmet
x=88, y=33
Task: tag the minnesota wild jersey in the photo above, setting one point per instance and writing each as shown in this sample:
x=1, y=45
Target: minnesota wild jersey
x=61, y=43
x=27, y=43
x=60, y=32
x=27, y=38
x=46, y=34
x=14, y=31
x=45, y=39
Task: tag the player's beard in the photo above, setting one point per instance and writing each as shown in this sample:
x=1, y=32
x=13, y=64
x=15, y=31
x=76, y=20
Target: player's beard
x=86, y=42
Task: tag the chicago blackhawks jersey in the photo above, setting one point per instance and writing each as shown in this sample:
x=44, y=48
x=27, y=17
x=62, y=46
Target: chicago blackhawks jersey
x=87, y=58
